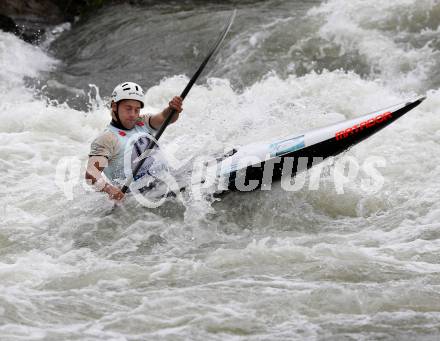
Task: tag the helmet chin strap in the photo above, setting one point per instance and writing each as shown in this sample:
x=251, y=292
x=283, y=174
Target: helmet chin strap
x=117, y=123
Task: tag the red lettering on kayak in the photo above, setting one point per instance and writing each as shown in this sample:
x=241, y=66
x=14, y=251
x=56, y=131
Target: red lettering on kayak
x=343, y=134
x=387, y=115
x=339, y=135
x=371, y=122
x=379, y=118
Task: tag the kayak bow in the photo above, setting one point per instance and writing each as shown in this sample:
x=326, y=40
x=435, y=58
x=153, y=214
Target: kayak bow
x=247, y=163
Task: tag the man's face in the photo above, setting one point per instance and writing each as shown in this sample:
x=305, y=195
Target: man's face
x=128, y=111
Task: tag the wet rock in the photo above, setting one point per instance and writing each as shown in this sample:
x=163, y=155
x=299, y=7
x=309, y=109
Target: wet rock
x=30, y=18
x=30, y=31
x=7, y=24
x=42, y=11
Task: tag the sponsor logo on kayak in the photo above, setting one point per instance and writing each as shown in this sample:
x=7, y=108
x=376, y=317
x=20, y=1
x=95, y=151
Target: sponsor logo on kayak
x=283, y=147
x=343, y=134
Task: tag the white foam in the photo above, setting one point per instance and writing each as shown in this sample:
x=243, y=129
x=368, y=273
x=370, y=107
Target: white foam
x=276, y=262
x=372, y=30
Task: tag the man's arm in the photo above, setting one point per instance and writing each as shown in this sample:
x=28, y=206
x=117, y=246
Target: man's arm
x=157, y=120
x=95, y=166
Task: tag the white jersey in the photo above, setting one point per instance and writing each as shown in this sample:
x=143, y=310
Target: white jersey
x=122, y=147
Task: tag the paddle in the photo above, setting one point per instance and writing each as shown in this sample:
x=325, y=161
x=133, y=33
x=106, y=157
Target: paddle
x=167, y=121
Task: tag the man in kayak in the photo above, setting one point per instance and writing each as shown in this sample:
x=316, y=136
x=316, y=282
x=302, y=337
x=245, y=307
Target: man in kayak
x=108, y=150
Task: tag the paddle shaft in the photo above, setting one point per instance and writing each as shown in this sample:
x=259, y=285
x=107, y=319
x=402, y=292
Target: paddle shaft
x=185, y=92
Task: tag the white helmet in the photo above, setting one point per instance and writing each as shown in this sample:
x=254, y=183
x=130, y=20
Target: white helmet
x=128, y=90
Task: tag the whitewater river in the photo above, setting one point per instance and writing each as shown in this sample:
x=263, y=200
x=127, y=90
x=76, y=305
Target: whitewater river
x=271, y=265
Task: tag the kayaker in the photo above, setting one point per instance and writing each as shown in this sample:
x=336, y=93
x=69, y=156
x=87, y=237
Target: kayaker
x=108, y=149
